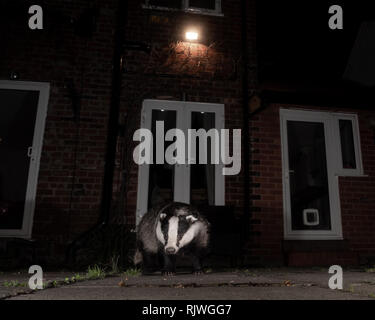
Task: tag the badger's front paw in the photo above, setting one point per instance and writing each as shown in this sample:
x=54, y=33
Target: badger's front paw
x=169, y=273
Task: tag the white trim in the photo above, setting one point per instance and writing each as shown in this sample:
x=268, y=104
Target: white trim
x=182, y=172
x=216, y=11
x=336, y=227
x=43, y=88
x=340, y=171
x=186, y=8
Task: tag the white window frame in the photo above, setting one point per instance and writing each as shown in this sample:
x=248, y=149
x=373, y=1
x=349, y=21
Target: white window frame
x=32, y=182
x=182, y=172
x=341, y=171
x=189, y=8
x=335, y=209
x=185, y=6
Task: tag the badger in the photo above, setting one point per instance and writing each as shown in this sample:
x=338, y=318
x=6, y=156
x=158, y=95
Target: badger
x=168, y=231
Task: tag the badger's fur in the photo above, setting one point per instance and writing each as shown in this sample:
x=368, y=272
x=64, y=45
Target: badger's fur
x=167, y=231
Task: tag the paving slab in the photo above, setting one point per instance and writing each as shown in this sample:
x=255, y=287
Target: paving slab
x=14, y=283
x=114, y=292
x=254, y=284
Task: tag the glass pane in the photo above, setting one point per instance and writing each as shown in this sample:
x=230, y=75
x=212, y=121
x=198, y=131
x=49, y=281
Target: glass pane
x=176, y=4
x=17, y=121
x=205, y=4
x=347, y=144
x=202, y=176
x=161, y=176
x=308, y=175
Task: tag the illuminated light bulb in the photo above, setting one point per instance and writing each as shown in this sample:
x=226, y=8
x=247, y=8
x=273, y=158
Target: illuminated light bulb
x=191, y=35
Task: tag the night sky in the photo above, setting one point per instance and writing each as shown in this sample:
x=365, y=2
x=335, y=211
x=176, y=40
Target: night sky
x=295, y=43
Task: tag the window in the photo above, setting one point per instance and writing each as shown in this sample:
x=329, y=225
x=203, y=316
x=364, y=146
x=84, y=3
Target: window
x=346, y=134
x=202, y=176
x=203, y=4
x=174, y=4
x=347, y=144
x=23, y=109
x=316, y=148
x=194, y=183
x=194, y=6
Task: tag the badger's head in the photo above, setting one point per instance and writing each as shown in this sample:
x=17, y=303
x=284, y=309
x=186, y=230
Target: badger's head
x=176, y=231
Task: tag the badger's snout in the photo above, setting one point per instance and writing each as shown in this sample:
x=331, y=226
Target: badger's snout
x=170, y=250
x=176, y=232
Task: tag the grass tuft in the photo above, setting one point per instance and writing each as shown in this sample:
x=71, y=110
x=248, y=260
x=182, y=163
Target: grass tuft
x=114, y=265
x=132, y=272
x=95, y=272
x=14, y=284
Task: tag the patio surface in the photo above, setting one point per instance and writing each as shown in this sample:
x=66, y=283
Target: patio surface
x=249, y=284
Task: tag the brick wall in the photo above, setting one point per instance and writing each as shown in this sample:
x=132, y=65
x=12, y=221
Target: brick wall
x=266, y=191
x=71, y=168
x=358, y=195
x=72, y=162
x=206, y=72
x=69, y=190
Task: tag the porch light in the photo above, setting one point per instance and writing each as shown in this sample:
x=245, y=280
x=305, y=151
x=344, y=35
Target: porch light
x=191, y=35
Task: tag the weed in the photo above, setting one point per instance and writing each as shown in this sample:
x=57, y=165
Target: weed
x=14, y=283
x=249, y=272
x=78, y=277
x=132, y=272
x=114, y=264
x=54, y=283
x=95, y=272
x=67, y=280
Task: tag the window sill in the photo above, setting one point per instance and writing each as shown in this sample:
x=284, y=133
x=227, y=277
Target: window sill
x=315, y=245
x=308, y=236
x=192, y=11
x=351, y=175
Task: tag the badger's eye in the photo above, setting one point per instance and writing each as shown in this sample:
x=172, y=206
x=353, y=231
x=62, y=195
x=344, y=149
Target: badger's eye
x=190, y=218
x=162, y=216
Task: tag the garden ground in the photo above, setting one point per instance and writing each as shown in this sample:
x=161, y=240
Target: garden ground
x=256, y=284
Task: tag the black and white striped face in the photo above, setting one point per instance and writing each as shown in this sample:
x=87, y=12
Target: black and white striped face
x=176, y=231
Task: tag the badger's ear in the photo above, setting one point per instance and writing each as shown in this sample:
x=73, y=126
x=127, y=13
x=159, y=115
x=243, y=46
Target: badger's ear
x=162, y=216
x=190, y=218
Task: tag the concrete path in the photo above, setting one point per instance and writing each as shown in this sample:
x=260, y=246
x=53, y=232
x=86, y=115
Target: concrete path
x=255, y=284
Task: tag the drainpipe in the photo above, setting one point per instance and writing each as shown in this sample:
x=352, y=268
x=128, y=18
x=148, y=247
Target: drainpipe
x=113, y=128
x=113, y=120
x=245, y=129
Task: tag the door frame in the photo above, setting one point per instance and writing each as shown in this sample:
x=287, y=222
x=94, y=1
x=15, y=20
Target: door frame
x=32, y=181
x=333, y=186
x=182, y=172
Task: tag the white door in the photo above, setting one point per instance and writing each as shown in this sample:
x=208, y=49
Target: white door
x=310, y=184
x=194, y=183
x=23, y=108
